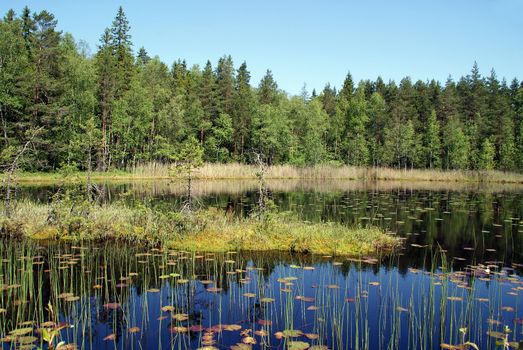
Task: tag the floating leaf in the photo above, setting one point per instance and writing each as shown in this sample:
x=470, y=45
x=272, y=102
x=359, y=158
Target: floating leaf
x=496, y=334
x=180, y=317
x=111, y=336
x=249, y=340
x=292, y=333
x=298, y=345
x=241, y=346
x=179, y=329
x=261, y=333
x=167, y=308
x=26, y=339
x=21, y=331
x=455, y=298
x=133, y=330
x=196, y=328
x=112, y=306
x=266, y=300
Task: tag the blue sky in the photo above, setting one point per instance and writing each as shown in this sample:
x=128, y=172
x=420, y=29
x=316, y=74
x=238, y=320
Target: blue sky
x=313, y=42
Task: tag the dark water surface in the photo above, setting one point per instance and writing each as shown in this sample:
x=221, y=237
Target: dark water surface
x=457, y=279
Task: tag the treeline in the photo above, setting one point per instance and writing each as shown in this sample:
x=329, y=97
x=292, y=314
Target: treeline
x=114, y=109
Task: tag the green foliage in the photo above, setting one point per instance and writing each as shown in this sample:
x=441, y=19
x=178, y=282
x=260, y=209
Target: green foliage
x=355, y=113
x=456, y=145
x=221, y=136
x=189, y=157
x=432, y=142
x=140, y=110
x=271, y=135
x=486, y=158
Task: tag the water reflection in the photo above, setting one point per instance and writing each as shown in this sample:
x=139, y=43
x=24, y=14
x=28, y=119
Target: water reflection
x=122, y=297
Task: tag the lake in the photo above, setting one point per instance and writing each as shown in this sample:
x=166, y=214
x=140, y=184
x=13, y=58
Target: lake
x=457, y=279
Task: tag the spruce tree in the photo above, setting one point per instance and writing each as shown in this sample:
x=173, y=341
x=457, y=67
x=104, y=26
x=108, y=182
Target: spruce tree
x=268, y=89
x=225, y=85
x=243, y=103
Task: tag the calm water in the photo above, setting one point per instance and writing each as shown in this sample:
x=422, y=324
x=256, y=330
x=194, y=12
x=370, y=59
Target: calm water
x=460, y=268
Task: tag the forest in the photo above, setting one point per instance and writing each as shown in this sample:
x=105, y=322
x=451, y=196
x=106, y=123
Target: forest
x=119, y=107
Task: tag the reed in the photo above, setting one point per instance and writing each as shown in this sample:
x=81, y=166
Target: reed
x=238, y=171
x=322, y=172
x=139, y=298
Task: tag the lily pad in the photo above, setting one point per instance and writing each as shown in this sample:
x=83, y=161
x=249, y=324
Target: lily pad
x=292, y=333
x=298, y=345
x=21, y=331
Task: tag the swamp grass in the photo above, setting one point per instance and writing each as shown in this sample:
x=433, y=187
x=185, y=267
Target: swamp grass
x=205, y=230
x=319, y=172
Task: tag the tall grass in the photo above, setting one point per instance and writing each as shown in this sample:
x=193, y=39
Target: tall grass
x=321, y=172
x=150, y=298
x=236, y=171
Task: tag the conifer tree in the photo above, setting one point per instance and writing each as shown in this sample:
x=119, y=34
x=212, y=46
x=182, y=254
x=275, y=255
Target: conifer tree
x=243, y=103
x=268, y=89
x=225, y=85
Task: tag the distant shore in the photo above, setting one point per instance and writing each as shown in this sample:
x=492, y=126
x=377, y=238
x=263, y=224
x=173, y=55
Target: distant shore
x=238, y=171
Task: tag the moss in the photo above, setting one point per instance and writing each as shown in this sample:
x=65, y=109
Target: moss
x=208, y=230
x=48, y=233
x=287, y=235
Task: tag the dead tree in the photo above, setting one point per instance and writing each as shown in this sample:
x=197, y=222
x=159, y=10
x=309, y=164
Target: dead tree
x=11, y=168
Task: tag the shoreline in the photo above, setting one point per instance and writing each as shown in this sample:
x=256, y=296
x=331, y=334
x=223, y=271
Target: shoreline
x=236, y=171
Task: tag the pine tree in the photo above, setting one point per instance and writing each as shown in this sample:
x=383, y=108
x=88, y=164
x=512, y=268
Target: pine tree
x=46, y=59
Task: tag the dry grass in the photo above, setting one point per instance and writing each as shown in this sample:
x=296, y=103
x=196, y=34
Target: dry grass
x=237, y=171
x=323, y=172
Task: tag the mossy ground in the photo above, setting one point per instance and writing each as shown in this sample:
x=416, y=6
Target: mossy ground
x=207, y=230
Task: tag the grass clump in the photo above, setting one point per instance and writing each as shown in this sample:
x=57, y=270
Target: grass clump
x=287, y=235
x=206, y=230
